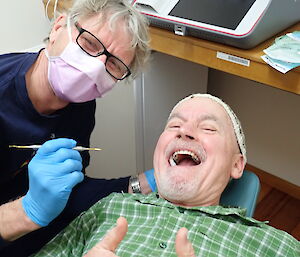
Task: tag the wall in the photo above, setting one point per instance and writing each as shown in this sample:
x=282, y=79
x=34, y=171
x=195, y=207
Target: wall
x=23, y=25
x=115, y=134
x=270, y=118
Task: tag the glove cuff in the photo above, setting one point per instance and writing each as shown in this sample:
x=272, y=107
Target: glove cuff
x=31, y=211
x=151, y=179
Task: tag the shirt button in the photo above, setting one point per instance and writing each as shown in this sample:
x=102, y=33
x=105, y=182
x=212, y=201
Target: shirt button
x=163, y=245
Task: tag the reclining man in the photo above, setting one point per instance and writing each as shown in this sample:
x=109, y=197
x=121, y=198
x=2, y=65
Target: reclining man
x=200, y=150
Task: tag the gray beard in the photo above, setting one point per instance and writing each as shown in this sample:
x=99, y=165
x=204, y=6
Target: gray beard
x=174, y=189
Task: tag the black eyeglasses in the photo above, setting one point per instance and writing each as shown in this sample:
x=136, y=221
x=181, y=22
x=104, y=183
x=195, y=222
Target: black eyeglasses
x=93, y=47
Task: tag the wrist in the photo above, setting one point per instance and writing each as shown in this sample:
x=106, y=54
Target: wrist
x=34, y=212
x=145, y=188
x=134, y=184
x=14, y=223
x=143, y=183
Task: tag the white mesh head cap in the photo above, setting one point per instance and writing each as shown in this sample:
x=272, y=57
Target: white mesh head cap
x=238, y=131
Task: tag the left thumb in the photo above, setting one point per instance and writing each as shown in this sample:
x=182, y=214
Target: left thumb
x=183, y=246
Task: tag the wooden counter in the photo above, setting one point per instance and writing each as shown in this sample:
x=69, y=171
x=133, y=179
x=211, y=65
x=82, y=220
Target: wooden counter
x=205, y=52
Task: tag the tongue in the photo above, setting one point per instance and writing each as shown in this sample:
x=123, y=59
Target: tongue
x=186, y=162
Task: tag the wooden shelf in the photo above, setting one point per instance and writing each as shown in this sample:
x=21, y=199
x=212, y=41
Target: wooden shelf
x=205, y=53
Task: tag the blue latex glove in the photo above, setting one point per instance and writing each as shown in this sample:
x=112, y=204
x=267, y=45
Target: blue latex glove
x=53, y=172
x=151, y=179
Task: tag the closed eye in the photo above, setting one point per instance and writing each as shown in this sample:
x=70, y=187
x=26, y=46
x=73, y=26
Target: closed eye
x=90, y=43
x=210, y=130
x=114, y=65
x=174, y=123
x=173, y=126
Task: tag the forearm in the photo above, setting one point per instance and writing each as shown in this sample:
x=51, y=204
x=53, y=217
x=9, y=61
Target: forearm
x=14, y=223
x=145, y=188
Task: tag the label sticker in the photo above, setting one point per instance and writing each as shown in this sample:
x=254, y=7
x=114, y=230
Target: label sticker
x=234, y=59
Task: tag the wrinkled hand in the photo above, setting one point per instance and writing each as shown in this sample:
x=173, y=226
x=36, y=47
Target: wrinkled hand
x=183, y=246
x=107, y=246
x=53, y=172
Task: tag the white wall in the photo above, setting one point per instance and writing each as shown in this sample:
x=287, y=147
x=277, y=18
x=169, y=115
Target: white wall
x=270, y=118
x=115, y=134
x=23, y=25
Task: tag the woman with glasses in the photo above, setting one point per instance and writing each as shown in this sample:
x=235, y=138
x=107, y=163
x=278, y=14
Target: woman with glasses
x=51, y=94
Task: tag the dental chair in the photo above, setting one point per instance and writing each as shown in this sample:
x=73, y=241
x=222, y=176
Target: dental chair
x=242, y=192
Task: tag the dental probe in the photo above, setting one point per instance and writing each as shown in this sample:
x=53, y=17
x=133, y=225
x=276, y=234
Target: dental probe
x=78, y=148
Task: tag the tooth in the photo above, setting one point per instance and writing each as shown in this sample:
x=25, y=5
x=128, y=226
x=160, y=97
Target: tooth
x=172, y=162
x=175, y=157
x=194, y=156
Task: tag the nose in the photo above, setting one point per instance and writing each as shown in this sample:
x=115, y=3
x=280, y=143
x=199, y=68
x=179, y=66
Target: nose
x=186, y=132
x=102, y=58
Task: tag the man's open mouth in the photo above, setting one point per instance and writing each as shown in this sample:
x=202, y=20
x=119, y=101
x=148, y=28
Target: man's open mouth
x=184, y=158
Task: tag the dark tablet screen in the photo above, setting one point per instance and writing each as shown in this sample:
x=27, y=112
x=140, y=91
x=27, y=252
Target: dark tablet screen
x=222, y=13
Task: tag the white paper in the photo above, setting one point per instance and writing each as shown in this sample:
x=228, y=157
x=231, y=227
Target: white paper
x=278, y=65
x=295, y=35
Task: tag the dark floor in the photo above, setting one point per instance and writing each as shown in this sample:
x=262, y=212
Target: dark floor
x=280, y=209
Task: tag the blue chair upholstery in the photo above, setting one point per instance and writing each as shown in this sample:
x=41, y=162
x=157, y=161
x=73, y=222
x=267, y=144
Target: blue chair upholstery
x=242, y=192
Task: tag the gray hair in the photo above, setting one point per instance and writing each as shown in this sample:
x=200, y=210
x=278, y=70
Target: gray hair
x=236, y=124
x=112, y=11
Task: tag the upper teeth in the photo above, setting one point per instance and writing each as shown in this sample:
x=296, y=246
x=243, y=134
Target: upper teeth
x=174, y=158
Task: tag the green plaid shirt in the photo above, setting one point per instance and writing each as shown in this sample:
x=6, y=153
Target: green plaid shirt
x=154, y=222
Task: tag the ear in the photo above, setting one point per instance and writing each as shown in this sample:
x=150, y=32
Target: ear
x=59, y=23
x=238, y=166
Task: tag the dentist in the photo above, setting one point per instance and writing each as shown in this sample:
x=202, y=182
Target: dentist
x=51, y=94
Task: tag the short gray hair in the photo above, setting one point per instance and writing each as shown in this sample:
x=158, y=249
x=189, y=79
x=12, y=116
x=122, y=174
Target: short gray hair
x=113, y=10
x=236, y=124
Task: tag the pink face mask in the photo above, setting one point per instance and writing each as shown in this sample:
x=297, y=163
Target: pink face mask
x=77, y=77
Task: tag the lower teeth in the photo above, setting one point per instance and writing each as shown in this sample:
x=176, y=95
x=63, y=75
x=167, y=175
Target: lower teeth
x=172, y=162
